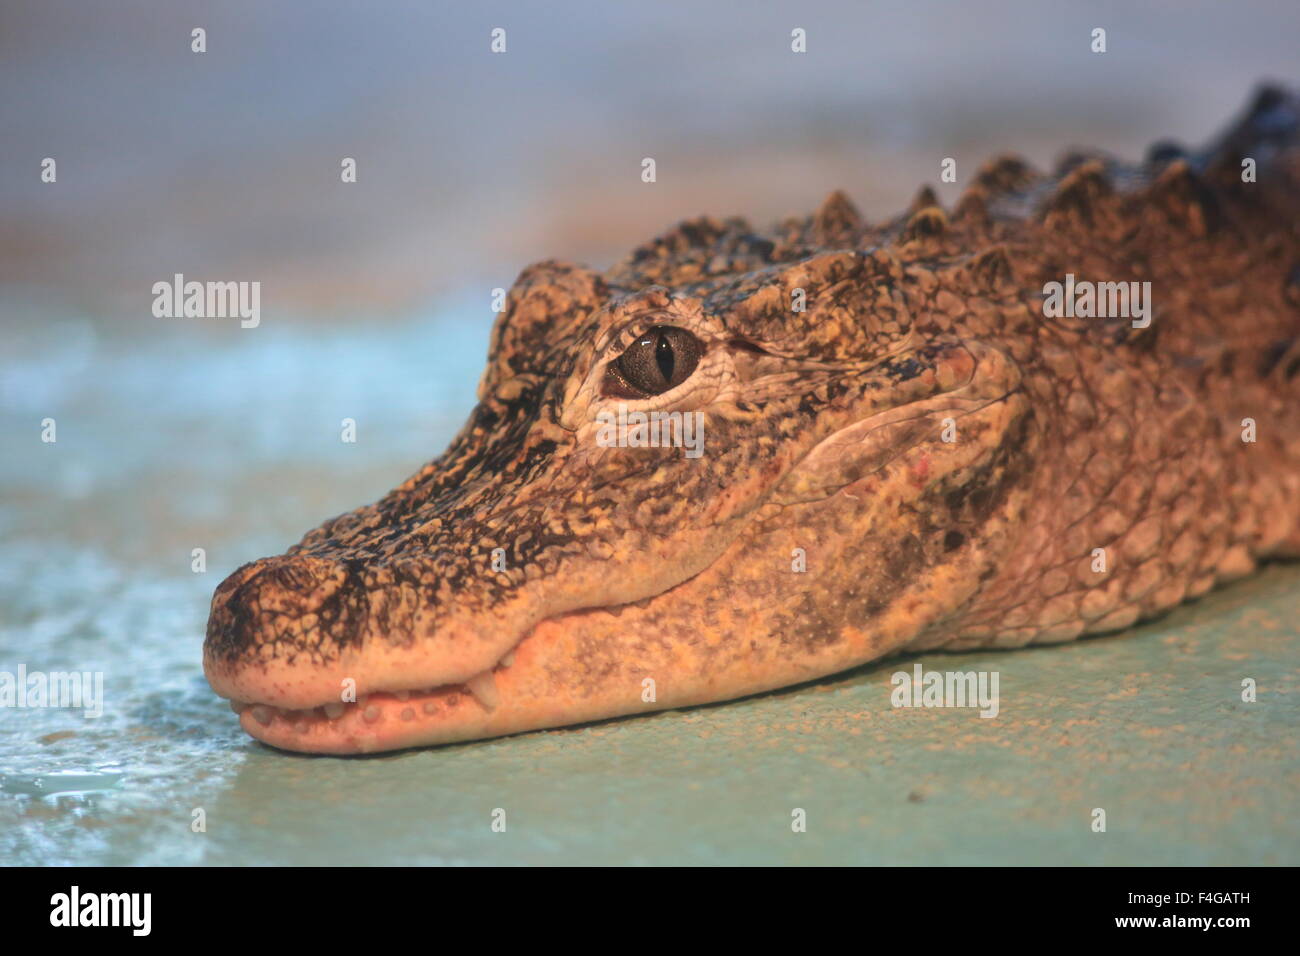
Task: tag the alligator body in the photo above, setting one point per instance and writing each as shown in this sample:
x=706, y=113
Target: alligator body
x=905, y=447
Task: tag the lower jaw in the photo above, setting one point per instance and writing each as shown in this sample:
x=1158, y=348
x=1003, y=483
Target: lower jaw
x=379, y=722
x=551, y=680
x=388, y=720
x=519, y=694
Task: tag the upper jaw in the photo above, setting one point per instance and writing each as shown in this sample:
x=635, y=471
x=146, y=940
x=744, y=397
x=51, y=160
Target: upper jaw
x=290, y=632
x=299, y=684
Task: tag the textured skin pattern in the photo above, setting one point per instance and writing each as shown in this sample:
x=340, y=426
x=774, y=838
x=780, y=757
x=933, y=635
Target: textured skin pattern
x=1072, y=438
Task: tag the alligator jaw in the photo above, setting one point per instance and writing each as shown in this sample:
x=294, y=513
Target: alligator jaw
x=554, y=677
x=387, y=698
x=387, y=719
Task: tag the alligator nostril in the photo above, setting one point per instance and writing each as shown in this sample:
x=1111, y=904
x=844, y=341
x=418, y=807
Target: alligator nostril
x=262, y=600
x=292, y=585
x=299, y=574
x=230, y=586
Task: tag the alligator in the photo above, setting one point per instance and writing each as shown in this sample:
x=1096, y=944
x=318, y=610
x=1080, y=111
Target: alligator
x=904, y=449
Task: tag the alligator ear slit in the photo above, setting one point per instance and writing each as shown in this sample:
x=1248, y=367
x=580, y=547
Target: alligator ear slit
x=745, y=345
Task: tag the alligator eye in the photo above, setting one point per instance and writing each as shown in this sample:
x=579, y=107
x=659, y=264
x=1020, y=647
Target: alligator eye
x=661, y=358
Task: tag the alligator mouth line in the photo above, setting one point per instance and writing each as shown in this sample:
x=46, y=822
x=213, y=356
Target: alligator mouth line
x=385, y=713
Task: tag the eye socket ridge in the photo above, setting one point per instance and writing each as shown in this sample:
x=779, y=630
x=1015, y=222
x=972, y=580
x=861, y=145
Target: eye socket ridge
x=658, y=359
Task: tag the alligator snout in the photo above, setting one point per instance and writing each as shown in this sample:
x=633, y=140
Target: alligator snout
x=291, y=613
x=274, y=601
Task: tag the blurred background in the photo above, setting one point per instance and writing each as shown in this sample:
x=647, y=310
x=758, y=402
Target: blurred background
x=226, y=164
x=175, y=434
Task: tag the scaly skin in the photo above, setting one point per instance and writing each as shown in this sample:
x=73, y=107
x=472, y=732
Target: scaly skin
x=824, y=431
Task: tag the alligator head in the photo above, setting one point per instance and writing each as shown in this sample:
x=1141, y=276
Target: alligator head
x=740, y=461
x=789, y=507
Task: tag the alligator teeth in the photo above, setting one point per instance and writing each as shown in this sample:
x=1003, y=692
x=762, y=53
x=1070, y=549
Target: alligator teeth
x=238, y=706
x=484, y=687
x=402, y=694
x=262, y=714
x=509, y=658
x=334, y=711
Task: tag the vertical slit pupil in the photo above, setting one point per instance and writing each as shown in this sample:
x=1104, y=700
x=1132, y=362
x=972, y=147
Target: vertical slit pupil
x=664, y=357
